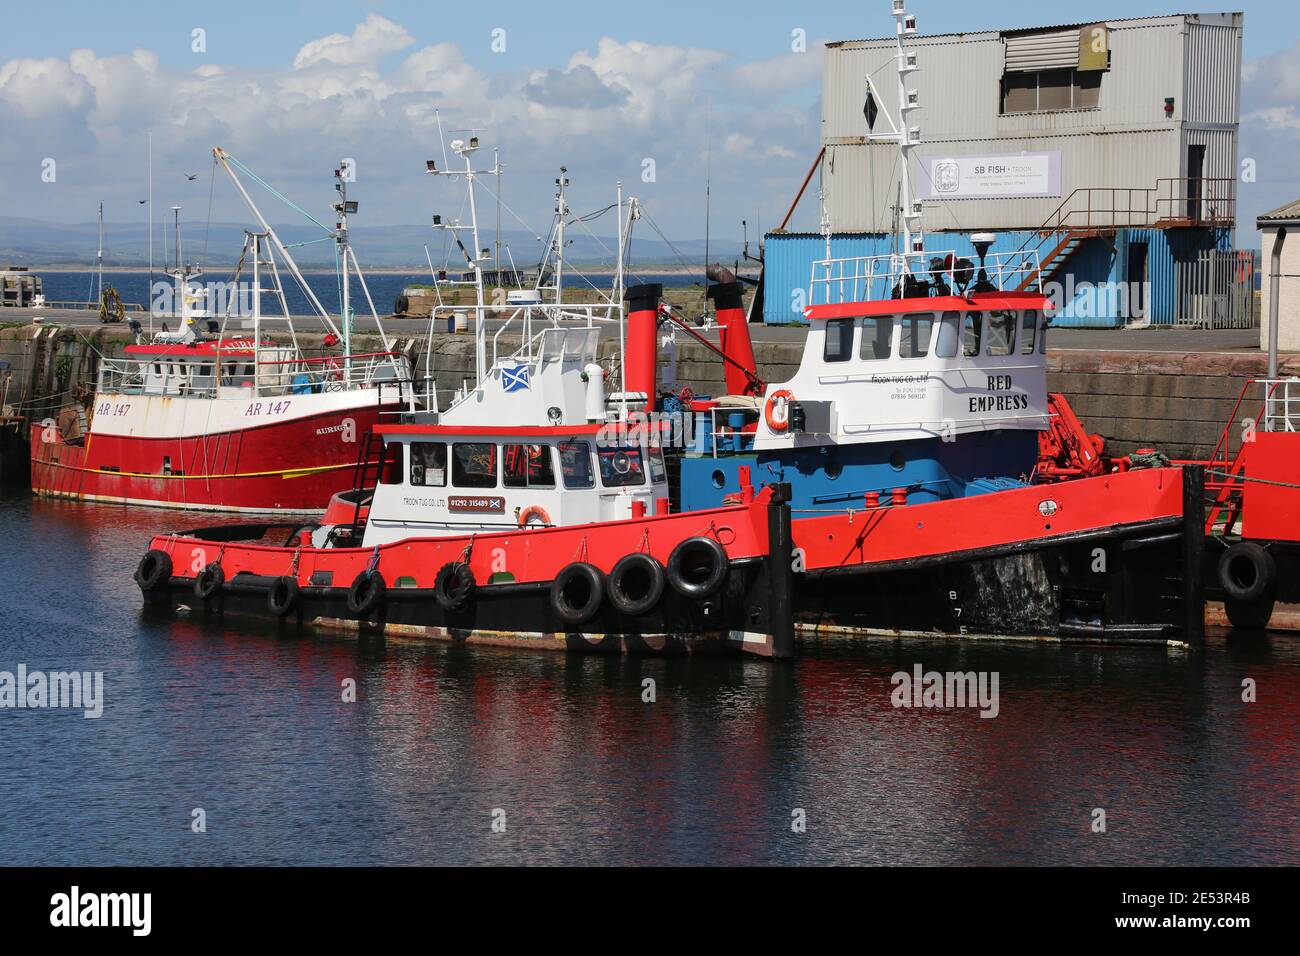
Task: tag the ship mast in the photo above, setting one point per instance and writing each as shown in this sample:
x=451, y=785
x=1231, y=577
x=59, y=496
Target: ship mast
x=906, y=135
x=342, y=208
x=475, y=260
x=100, y=255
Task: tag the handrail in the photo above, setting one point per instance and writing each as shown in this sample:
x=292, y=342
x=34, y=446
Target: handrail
x=861, y=278
x=1211, y=191
x=130, y=375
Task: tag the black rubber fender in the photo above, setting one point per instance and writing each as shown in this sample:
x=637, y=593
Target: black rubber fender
x=366, y=593
x=454, y=586
x=282, y=597
x=697, y=567
x=154, y=570
x=209, y=582
x=635, y=585
x=1249, y=617
x=1247, y=572
x=577, y=593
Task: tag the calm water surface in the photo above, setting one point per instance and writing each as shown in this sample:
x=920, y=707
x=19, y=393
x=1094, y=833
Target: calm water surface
x=250, y=726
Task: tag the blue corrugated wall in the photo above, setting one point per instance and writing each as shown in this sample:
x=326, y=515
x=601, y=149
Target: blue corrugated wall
x=789, y=258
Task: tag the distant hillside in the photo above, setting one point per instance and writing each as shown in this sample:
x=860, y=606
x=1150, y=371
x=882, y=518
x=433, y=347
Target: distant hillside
x=33, y=242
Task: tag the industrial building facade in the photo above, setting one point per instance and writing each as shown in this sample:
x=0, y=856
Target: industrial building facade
x=1110, y=147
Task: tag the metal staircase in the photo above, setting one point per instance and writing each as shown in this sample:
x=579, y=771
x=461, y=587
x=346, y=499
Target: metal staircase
x=1101, y=211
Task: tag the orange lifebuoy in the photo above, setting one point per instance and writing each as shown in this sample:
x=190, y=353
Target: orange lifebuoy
x=533, y=511
x=774, y=423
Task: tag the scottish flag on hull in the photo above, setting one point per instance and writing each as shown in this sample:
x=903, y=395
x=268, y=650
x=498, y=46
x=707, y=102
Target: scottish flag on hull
x=514, y=379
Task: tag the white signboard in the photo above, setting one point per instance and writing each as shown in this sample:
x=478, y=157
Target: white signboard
x=999, y=176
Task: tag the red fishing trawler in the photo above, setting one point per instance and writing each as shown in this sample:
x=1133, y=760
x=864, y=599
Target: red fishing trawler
x=210, y=418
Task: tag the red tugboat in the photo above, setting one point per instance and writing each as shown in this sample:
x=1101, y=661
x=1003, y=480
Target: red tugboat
x=1252, y=556
x=910, y=438
x=202, y=418
x=544, y=532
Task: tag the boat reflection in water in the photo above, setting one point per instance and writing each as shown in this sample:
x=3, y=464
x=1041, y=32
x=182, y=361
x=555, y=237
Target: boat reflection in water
x=250, y=725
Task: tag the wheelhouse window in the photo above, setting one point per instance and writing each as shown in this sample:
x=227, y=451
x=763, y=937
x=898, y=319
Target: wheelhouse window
x=877, y=337
x=658, y=470
x=575, y=464
x=1002, y=332
x=474, y=465
x=390, y=467
x=1028, y=330
x=429, y=464
x=915, y=339
x=621, y=467
x=945, y=345
x=839, y=340
x=527, y=466
x=972, y=326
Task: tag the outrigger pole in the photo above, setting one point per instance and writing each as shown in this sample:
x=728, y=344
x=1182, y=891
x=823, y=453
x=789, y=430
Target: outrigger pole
x=224, y=159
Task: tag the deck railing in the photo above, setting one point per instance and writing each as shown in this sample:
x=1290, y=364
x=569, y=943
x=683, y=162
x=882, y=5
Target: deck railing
x=270, y=378
x=875, y=278
x=1281, y=404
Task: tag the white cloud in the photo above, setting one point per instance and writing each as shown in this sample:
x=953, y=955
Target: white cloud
x=783, y=73
x=372, y=40
x=37, y=87
x=602, y=113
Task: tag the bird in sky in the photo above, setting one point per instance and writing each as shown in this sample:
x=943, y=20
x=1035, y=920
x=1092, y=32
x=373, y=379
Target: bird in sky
x=191, y=176
x=142, y=201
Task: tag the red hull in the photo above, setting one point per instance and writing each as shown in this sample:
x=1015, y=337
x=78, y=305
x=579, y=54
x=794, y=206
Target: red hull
x=984, y=522
x=286, y=466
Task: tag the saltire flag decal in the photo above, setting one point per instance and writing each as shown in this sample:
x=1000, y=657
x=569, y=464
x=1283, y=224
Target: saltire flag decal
x=514, y=379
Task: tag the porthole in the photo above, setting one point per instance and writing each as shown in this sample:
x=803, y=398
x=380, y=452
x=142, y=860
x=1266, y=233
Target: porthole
x=834, y=469
x=897, y=460
x=719, y=479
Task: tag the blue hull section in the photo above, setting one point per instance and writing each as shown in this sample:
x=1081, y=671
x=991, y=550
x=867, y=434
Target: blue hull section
x=833, y=478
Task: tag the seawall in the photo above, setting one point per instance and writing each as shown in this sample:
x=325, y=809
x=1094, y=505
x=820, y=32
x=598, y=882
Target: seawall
x=1176, y=402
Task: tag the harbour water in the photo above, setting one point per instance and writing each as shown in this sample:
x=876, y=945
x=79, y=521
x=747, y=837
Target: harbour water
x=384, y=287
x=250, y=726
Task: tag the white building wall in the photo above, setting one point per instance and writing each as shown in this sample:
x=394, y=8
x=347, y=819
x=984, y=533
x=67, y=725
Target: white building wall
x=1126, y=142
x=1288, y=322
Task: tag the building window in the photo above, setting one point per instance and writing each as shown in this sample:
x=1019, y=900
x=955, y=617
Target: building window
x=1050, y=91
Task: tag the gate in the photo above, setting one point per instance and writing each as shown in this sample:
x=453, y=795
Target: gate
x=1216, y=290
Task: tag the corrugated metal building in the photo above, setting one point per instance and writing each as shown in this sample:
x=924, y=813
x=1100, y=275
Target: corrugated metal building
x=1111, y=145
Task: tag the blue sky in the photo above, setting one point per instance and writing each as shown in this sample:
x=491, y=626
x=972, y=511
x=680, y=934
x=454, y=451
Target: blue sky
x=600, y=86
x=259, y=34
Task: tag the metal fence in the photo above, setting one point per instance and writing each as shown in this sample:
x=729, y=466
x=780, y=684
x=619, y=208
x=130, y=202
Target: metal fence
x=1216, y=290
